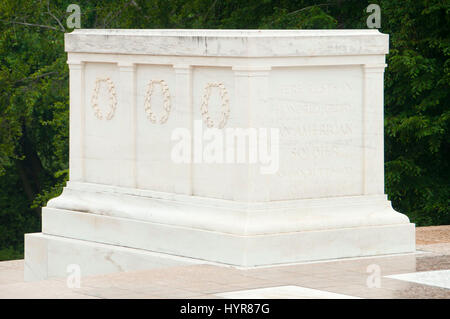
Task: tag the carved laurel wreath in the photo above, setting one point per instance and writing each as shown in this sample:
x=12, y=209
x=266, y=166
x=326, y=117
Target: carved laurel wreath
x=225, y=108
x=112, y=98
x=166, y=104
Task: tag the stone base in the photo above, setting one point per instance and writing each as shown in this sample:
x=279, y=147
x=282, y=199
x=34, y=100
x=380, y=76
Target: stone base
x=92, y=225
x=48, y=256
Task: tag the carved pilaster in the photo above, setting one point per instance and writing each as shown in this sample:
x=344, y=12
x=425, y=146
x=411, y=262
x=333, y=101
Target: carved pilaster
x=373, y=129
x=77, y=121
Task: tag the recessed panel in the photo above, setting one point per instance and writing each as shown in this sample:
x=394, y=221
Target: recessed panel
x=106, y=149
x=318, y=111
x=158, y=115
x=213, y=96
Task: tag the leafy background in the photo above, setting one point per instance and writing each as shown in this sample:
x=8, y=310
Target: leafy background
x=34, y=90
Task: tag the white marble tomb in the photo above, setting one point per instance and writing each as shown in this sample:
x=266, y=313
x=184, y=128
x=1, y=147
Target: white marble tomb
x=128, y=205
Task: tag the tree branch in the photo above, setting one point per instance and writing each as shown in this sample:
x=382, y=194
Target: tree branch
x=53, y=16
x=36, y=77
x=117, y=13
x=134, y=4
x=32, y=24
x=209, y=9
x=308, y=7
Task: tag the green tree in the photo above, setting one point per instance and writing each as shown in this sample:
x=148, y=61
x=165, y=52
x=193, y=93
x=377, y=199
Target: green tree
x=33, y=116
x=34, y=90
x=417, y=109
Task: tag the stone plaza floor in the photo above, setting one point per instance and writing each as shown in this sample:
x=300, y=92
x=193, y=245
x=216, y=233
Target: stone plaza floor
x=424, y=274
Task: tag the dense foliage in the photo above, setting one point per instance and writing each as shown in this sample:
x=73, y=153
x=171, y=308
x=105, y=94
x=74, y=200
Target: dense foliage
x=34, y=90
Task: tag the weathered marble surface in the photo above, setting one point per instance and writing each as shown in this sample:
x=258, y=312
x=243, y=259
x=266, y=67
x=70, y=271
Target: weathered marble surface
x=323, y=91
x=229, y=43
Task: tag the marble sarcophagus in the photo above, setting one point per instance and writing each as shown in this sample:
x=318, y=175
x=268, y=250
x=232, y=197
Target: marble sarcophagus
x=243, y=148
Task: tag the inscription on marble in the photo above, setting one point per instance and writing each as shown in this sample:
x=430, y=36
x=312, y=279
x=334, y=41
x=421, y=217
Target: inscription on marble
x=320, y=121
